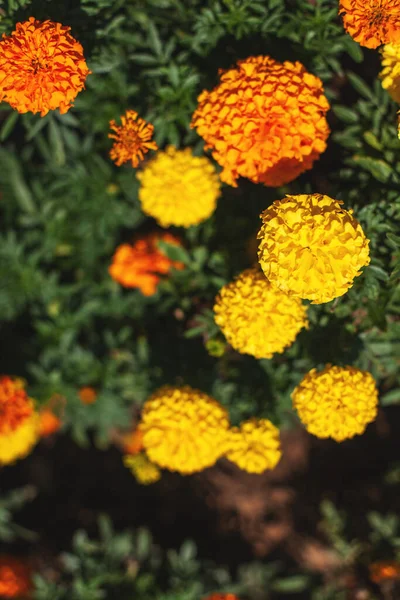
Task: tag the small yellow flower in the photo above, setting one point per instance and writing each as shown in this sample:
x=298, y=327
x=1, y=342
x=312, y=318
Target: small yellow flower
x=19, y=442
x=257, y=318
x=178, y=188
x=254, y=446
x=311, y=247
x=183, y=429
x=390, y=74
x=338, y=402
x=144, y=471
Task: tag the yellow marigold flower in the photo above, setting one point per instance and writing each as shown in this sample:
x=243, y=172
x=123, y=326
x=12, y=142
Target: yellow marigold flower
x=183, y=429
x=384, y=570
x=19, y=442
x=15, y=577
x=144, y=471
x=178, y=188
x=311, y=247
x=132, y=139
x=264, y=121
x=42, y=67
x=371, y=22
x=257, y=318
x=390, y=74
x=337, y=402
x=254, y=446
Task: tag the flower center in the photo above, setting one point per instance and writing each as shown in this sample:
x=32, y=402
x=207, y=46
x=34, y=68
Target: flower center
x=36, y=65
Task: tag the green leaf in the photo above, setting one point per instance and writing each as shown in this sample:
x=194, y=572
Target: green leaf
x=345, y=114
x=392, y=397
x=361, y=87
x=294, y=584
x=8, y=125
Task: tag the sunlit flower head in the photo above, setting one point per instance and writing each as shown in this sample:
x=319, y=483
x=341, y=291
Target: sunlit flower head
x=178, y=188
x=265, y=120
x=142, y=264
x=15, y=577
x=257, y=318
x=311, y=247
x=87, y=395
x=144, y=471
x=254, y=446
x=42, y=67
x=183, y=429
x=337, y=402
x=384, y=570
x=390, y=74
x=132, y=139
x=371, y=22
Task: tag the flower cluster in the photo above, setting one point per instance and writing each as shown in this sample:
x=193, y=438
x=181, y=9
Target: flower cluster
x=140, y=265
x=178, y=188
x=257, y=318
x=371, y=22
x=143, y=469
x=42, y=67
x=19, y=422
x=337, y=402
x=264, y=121
x=390, y=74
x=132, y=139
x=311, y=248
x=183, y=429
x=15, y=577
x=254, y=446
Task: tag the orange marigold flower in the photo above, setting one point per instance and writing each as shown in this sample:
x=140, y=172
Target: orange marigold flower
x=217, y=596
x=49, y=423
x=15, y=406
x=141, y=264
x=15, y=577
x=87, y=395
x=264, y=121
x=42, y=67
x=132, y=442
x=371, y=22
x=133, y=139
x=382, y=570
